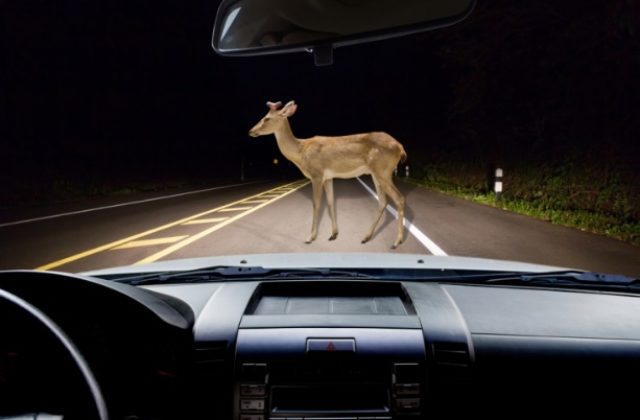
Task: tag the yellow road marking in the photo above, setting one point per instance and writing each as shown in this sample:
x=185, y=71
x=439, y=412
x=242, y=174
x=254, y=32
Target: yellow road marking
x=149, y=242
x=205, y=221
x=212, y=229
x=235, y=209
x=110, y=245
x=254, y=201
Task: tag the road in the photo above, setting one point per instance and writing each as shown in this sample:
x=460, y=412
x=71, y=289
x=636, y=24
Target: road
x=276, y=217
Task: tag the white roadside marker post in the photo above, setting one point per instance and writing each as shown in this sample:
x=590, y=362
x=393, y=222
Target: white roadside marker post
x=497, y=184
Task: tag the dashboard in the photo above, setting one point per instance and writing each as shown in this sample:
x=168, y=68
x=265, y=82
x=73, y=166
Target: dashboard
x=329, y=349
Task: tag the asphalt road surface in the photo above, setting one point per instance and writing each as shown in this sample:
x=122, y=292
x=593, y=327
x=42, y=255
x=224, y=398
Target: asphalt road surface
x=276, y=217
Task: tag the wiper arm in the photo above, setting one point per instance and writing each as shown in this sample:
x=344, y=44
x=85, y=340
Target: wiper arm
x=569, y=278
x=221, y=273
x=318, y=272
x=201, y=274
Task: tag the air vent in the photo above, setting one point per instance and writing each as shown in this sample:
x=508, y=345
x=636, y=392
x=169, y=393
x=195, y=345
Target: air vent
x=452, y=363
x=209, y=357
x=451, y=354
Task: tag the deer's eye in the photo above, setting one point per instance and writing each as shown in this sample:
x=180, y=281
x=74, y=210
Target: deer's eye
x=266, y=119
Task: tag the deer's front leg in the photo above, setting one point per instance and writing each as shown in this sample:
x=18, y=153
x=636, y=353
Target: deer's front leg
x=317, y=197
x=328, y=190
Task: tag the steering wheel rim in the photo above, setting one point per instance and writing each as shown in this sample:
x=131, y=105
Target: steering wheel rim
x=80, y=363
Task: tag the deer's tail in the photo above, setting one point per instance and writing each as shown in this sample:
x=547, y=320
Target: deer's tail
x=403, y=154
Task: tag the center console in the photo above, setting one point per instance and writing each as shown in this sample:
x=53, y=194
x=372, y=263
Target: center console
x=353, y=350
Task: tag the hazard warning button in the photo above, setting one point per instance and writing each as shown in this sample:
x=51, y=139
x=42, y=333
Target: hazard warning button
x=339, y=345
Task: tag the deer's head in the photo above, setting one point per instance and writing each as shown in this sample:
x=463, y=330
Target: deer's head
x=274, y=119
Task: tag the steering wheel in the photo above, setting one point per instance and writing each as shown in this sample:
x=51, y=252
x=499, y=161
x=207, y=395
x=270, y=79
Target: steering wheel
x=32, y=347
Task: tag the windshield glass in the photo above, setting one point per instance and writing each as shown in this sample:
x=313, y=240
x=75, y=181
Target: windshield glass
x=513, y=135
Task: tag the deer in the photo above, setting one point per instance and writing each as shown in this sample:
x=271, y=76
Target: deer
x=323, y=158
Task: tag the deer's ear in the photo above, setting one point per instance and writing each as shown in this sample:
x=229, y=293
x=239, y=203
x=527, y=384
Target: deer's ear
x=274, y=105
x=289, y=109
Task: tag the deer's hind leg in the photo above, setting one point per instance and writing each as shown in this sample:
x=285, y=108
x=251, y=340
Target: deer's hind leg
x=382, y=204
x=399, y=201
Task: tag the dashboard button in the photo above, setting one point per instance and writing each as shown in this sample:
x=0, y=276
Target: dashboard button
x=252, y=390
x=405, y=404
x=326, y=345
x=252, y=405
x=407, y=389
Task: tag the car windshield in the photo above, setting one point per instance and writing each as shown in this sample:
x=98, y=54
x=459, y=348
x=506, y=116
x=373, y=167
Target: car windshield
x=513, y=135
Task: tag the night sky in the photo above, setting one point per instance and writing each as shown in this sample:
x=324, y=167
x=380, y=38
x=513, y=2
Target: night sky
x=101, y=94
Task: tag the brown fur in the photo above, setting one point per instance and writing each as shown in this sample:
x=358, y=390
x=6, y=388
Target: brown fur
x=322, y=158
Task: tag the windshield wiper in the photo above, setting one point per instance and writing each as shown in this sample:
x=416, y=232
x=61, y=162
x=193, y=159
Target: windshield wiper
x=246, y=273
x=576, y=279
x=566, y=278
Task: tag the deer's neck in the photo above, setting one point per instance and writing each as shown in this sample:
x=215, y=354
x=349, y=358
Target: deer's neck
x=289, y=145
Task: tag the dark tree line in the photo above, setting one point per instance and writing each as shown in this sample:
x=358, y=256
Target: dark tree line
x=547, y=78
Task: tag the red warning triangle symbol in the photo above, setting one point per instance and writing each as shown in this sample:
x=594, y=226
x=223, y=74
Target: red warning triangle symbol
x=331, y=346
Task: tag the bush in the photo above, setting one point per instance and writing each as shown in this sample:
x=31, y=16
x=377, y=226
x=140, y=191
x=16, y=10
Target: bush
x=570, y=193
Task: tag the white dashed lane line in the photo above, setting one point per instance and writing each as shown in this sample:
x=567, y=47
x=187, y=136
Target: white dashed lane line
x=413, y=229
x=113, y=206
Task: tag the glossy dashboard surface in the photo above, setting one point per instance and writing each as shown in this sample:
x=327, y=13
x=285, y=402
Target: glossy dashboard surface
x=478, y=341
x=256, y=350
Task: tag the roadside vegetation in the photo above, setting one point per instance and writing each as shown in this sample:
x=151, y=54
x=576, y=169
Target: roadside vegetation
x=592, y=199
x=548, y=91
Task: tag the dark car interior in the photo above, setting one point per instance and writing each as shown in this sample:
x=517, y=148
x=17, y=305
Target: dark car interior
x=311, y=343
x=316, y=349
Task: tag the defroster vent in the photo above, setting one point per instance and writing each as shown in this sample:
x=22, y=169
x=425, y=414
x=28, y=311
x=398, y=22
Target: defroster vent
x=452, y=362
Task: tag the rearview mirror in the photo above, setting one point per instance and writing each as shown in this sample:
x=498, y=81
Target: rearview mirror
x=255, y=27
